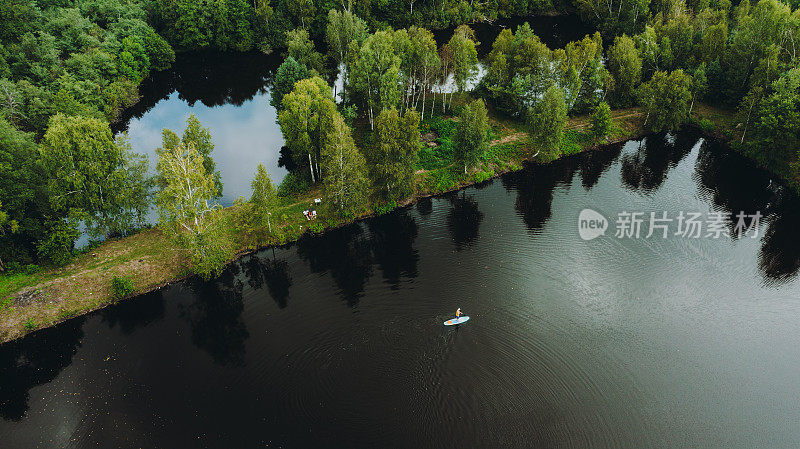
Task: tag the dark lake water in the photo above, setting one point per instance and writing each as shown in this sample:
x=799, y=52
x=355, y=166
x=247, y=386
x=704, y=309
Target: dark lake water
x=230, y=93
x=337, y=341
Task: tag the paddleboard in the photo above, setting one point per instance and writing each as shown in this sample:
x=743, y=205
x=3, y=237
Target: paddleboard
x=455, y=321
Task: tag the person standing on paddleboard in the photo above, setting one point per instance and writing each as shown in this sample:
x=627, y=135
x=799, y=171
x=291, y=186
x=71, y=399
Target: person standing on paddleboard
x=458, y=313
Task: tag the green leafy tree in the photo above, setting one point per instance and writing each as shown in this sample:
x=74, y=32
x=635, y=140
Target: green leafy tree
x=601, y=124
x=198, y=137
x=464, y=56
x=306, y=118
x=289, y=73
x=667, y=98
x=345, y=184
x=614, y=16
x=343, y=27
x=300, y=47
x=423, y=66
x=625, y=66
x=521, y=68
x=187, y=211
x=775, y=138
x=581, y=73
x=393, y=156
x=58, y=241
x=264, y=196
x=546, y=120
x=470, y=141
x=302, y=10
x=93, y=177
x=699, y=84
x=6, y=227
x=23, y=192
x=376, y=73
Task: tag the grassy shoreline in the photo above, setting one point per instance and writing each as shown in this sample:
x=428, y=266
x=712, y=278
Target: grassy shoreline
x=29, y=302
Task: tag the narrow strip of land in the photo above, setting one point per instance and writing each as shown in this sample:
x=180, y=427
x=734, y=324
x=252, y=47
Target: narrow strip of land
x=30, y=302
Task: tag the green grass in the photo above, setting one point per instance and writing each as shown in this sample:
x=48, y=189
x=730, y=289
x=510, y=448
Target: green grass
x=575, y=142
x=11, y=283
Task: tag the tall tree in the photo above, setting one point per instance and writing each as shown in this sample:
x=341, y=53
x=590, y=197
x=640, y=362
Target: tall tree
x=198, y=137
x=546, y=120
x=300, y=47
x=470, y=141
x=376, y=73
x=464, y=56
x=422, y=65
x=601, y=124
x=581, y=72
x=264, y=195
x=287, y=75
x=23, y=192
x=187, y=210
x=93, y=177
x=625, y=66
x=344, y=181
x=666, y=98
x=6, y=227
x=776, y=128
x=306, y=118
x=343, y=27
x=393, y=156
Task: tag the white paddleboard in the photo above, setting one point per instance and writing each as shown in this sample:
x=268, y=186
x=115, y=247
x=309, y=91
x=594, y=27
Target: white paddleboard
x=455, y=321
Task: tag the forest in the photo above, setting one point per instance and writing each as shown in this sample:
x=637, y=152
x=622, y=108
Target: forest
x=68, y=68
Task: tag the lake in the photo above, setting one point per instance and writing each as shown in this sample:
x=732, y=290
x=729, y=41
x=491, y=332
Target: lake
x=337, y=340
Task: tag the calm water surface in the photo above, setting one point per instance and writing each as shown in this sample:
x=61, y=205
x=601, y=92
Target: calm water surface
x=337, y=340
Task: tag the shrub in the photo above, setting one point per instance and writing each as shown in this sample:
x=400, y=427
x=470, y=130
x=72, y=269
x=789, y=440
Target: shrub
x=292, y=184
x=385, y=208
x=121, y=287
x=707, y=125
x=482, y=176
x=30, y=324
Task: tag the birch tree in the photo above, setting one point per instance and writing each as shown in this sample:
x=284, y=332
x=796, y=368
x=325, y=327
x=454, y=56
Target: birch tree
x=306, y=118
x=343, y=27
x=264, y=196
x=464, y=56
x=376, y=73
x=345, y=184
x=470, y=141
x=393, y=156
x=188, y=212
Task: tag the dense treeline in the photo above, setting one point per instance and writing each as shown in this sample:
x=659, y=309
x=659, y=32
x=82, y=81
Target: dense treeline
x=246, y=24
x=68, y=67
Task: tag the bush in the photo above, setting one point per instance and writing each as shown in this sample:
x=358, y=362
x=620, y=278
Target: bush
x=210, y=255
x=30, y=324
x=31, y=269
x=707, y=125
x=121, y=287
x=292, y=184
x=316, y=227
x=385, y=208
x=482, y=176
